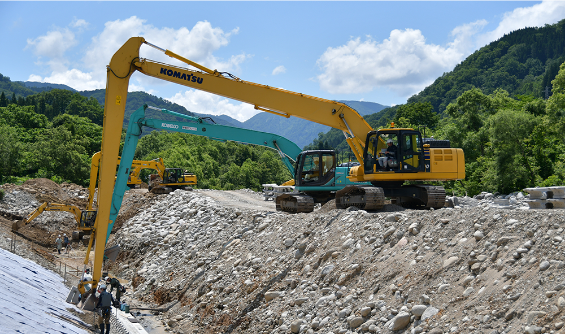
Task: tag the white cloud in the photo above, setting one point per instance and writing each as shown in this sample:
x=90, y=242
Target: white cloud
x=52, y=45
x=279, y=70
x=538, y=15
x=207, y=103
x=403, y=63
x=197, y=44
x=137, y=88
x=79, y=23
x=74, y=78
x=464, y=36
x=34, y=78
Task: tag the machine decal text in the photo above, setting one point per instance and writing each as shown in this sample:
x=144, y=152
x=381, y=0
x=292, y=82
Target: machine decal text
x=182, y=76
x=170, y=126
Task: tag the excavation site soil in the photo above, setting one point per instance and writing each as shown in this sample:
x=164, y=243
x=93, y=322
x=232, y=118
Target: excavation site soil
x=209, y=261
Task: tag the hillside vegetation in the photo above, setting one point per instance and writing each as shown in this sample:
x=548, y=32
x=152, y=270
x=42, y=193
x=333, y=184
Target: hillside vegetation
x=54, y=135
x=503, y=105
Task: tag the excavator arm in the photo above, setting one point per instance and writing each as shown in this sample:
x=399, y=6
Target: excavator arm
x=48, y=207
x=287, y=150
x=264, y=98
x=195, y=126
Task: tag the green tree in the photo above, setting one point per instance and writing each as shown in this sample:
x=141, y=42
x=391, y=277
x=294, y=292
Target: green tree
x=556, y=103
x=3, y=100
x=11, y=151
x=510, y=132
x=417, y=114
x=57, y=153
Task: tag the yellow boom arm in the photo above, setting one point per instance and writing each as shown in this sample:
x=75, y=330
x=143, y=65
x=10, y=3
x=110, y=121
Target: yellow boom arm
x=48, y=207
x=264, y=98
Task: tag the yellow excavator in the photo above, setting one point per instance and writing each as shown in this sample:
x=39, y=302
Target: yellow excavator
x=166, y=179
x=415, y=160
x=85, y=218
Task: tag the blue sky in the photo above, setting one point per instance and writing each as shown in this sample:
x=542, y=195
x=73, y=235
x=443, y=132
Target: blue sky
x=378, y=51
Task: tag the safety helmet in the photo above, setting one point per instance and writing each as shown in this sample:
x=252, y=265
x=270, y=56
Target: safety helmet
x=389, y=141
x=59, y=235
x=107, y=279
x=65, y=234
x=102, y=287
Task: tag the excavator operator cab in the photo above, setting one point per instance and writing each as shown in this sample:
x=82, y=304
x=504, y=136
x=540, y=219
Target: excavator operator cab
x=315, y=167
x=87, y=219
x=396, y=150
x=172, y=175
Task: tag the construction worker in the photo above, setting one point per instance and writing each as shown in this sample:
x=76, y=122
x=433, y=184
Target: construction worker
x=114, y=283
x=66, y=243
x=87, y=277
x=105, y=302
x=59, y=243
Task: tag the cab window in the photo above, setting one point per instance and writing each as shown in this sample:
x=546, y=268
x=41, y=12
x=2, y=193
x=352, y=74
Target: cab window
x=311, y=168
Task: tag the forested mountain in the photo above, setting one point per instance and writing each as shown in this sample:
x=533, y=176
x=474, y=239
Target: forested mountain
x=301, y=131
x=522, y=62
x=45, y=85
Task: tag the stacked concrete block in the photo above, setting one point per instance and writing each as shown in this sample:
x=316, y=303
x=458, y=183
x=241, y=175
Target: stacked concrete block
x=271, y=191
x=546, y=197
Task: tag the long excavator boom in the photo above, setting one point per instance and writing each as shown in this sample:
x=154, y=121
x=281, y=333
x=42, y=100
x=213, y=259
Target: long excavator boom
x=448, y=166
x=194, y=125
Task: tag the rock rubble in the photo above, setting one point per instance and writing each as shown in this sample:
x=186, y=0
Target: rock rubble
x=480, y=266
x=474, y=268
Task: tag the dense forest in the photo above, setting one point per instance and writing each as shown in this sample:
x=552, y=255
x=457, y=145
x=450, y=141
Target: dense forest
x=522, y=63
x=504, y=106
x=54, y=135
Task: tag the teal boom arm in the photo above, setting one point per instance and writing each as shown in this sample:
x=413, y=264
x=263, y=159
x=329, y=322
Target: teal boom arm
x=196, y=126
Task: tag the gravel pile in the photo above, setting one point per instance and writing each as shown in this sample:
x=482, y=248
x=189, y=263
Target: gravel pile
x=486, y=264
x=479, y=267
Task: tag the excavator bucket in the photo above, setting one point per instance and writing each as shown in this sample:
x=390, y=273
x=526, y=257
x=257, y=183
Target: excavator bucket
x=112, y=253
x=88, y=301
x=16, y=225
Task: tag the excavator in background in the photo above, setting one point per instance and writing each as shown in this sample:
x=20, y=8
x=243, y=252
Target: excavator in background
x=414, y=161
x=85, y=218
x=176, y=178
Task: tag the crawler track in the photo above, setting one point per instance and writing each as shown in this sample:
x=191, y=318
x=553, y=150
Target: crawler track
x=436, y=196
x=295, y=203
x=363, y=197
